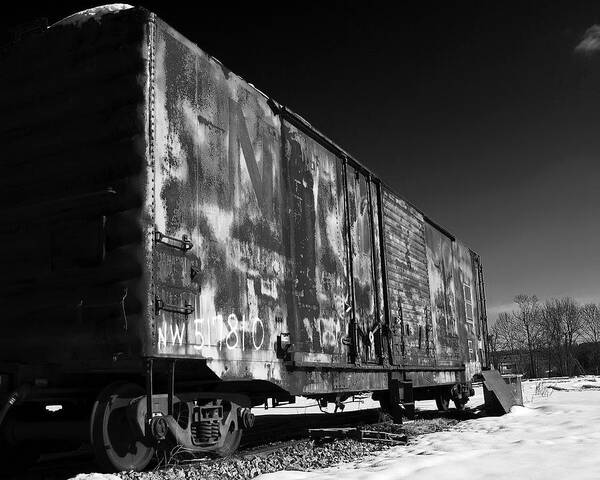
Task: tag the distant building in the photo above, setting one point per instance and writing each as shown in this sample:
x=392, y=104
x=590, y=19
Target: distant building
x=508, y=367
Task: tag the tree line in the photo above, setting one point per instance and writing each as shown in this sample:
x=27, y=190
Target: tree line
x=558, y=337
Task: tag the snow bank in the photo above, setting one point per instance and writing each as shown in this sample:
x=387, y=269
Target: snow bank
x=96, y=476
x=554, y=436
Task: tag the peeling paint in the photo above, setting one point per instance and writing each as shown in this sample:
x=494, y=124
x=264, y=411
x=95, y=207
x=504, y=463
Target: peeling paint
x=273, y=234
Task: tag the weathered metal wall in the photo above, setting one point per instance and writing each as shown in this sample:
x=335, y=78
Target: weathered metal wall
x=363, y=249
x=381, y=343
x=433, y=296
x=218, y=182
x=284, y=244
x=441, y=272
x=252, y=246
x=408, y=283
x=318, y=250
x=468, y=307
x=481, y=304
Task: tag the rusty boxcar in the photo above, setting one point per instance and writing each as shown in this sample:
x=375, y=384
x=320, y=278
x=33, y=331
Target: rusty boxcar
x=177, y=247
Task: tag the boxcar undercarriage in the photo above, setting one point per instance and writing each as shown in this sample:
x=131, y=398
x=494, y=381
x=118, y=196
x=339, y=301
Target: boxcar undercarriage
x=130, y=416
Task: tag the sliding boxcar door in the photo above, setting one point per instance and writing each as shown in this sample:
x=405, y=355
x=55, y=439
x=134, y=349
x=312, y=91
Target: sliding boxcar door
x=440, y=266
x=365, y=289
x=318, y=249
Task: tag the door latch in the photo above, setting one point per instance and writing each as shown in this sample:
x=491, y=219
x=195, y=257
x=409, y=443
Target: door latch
x=284, y=348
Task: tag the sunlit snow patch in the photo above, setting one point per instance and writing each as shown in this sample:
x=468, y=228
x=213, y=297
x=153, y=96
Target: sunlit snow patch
x=96, y=476
x=554, y=436
x=519, y=411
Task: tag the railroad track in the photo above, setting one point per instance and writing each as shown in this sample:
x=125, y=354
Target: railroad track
x=270, y=433
x=287, y=427
x=280, y=430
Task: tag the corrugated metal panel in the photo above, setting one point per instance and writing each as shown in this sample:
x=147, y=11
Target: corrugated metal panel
x=408, y=283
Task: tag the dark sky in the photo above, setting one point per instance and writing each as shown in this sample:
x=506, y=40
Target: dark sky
x=482, y=114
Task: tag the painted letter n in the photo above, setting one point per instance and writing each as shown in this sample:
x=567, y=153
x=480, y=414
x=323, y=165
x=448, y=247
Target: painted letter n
x=239, y=138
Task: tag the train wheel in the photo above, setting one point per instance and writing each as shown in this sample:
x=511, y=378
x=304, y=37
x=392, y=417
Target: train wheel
x=230, y=431
x=442, y=400
x=116, y=444
x=230, y=445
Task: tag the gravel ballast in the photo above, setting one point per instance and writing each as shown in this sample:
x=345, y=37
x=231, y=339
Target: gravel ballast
x=299, y=455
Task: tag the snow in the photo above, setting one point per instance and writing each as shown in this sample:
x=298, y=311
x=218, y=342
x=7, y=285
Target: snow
x=555, y=435
x=96, y=13
x=96, y=476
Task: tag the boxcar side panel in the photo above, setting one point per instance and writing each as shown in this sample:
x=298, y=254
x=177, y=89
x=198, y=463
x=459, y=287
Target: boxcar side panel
x=261, y=206
x=380, y=336
x=278, y=250
x=361, y=228
x=441, y=272
x=481, y=326
x=408, y=283
x=318, y=249
x=467, y=308
x=218, y=182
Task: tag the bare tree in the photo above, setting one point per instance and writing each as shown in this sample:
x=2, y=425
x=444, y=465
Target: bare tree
x=590, y=328
x=493, y=345
x=572, y=324
x=551, y=330
x=527, y=317
x=509, y=337
x=555, y=326
x=562, y=321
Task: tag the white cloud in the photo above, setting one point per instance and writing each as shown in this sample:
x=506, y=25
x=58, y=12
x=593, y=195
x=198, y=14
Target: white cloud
x=590, y=43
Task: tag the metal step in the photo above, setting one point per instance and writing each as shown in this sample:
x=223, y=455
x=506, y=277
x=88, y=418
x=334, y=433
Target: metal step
x=501, y=392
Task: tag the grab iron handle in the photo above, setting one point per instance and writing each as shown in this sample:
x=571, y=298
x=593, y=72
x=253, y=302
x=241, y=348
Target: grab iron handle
x=159, y=305
x=184, y=243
